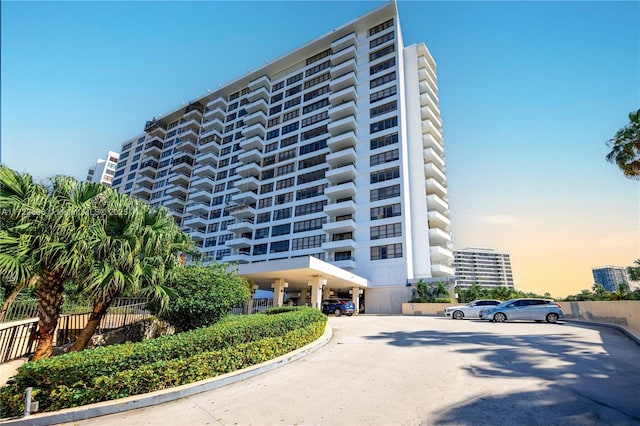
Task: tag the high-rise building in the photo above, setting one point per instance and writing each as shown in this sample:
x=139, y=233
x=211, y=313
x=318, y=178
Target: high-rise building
x=104, y=170
x=486, y=267
x=610, y=277
x=328, y=160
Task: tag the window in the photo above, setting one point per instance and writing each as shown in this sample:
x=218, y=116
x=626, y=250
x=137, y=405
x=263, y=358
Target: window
x=309, y=225
x=310, y=208
x=303, y=194
x=381, y=27
x=263, y=217
x=342, y=255
x=223, y=163
x=383, y=125
x=390, y=210
x=315, y=118
x=215, y=201
x=283, y=198
x=276, y=109
x=273, y=121
x=381, y=141
x=290, y=128
x=384, y=175
x=281, y=230
x=311, y=176
x=383, y=109
x=231, y=117
x=382, y=39
x=282, y=214
x=290, y=115
x=276, y=98
x=259, y=249
x=386, y=231
x=286, y=169
x=271, y=147
x=293, y=79
x=277, y=86
x=317, y=68
x=384, y=193
x=264, y=203
x=268, y=174
x=285, y=155
x=314, y=132
x=293, y=90
x=381, y=94
x=261, y=233
x=317, y=80
x=315, y=93
x=285, y=183
x=318, y=56
x=269, y=160
x=382, y=80
x=390, y=251
x=266, y=188
x=313, y=161
x=313, y=146
x=279, y=246
x=290, y=140
x=293, y=102
x=316, y=105
x=273, y=134
x=313, y=241
x=384, y=157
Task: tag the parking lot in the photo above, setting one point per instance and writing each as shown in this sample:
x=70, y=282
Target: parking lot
x=409, y=370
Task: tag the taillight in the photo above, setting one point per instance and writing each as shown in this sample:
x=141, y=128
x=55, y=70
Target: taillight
x=558, y=305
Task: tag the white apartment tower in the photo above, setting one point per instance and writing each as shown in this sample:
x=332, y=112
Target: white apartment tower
x=104, y=170
x=486, y=267
x=333, y=151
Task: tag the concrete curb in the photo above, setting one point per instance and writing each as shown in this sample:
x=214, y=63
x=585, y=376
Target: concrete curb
x=633, y=335
x=166, y=395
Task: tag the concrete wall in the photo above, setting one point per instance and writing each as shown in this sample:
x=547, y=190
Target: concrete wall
x=619, y=312
x=386, y=300
x=425, y=308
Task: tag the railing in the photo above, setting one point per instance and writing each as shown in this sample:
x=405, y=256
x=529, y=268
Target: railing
x=259, y=305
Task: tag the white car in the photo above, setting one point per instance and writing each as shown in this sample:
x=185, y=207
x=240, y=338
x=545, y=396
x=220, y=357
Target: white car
x=472, y=309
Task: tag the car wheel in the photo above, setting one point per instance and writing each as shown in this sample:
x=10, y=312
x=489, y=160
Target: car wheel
x=337, y=312
x=499, y=317
x=458, y=315
x=552, y=317
x=349, y=315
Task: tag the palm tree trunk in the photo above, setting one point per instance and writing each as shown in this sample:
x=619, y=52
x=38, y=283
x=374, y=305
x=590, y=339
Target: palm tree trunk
x=99, y=310
x=49, y=293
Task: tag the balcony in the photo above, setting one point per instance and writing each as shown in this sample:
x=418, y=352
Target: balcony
x=428, y=86
x=204, y=171
x=213, y=124
x=198, y=234
x=428, y=112
x=439, y=237
x=344, y=41
x=438, y=270
x=237, y=243
x=339, y=226
x=340, y=190
x=435, y=203
x=237, y=257
x=428, y=127
x=217, y=112
x=429, y=100
x=148, y=168
x=344, y=81
x=210, y=159
x=203, y=196
x=183, y=165
x=178, y=190
x=339, y=245
x=343, y=110
x=218, y=102
x=186, y=145
x=342, y=55
x=153, y=148
x=189, y=125
x=343, y=141
x=247, y=184
x=254, y=130
x=424, y=57
x=241, y=227
x=344, y=67
x=438, y=220
x=247, y=197
x=250, y=156
x=146, y=181
x=428, y=141
x=179, y=179
x=342, y=157
x=348, y=263
x=435, y=187
x=241, y=211
x=255, y=142
x=261, y=93
x=434, y=172
x=341, y=174
x=155, y=128
x=196, y=221
x=344, y=95
x=340, y=208
x=255, y=117
x=142, y=192
x=344, y=125
x=198, y=208
x=262, y=81
x=257, y=105
x=251, y=169
x=431, y=156
x=440, y=255
x=176, y=202
x=209, y=146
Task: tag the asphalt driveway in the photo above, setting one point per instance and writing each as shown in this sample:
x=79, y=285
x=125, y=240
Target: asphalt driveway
x=400, y=370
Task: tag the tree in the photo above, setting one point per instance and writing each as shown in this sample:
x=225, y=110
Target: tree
x=502, y=293
x=625, y=147
x=202, y=295
x=634, y=271
x=472, y=293
x=44, y=240
x=135, y=249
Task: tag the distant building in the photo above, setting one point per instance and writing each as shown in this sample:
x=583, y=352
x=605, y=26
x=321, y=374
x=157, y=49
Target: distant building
x=104, y=170
x=486, y=267
x=610, y=277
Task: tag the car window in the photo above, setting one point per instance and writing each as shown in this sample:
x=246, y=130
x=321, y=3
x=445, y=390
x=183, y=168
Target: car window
x=493, y=302
x=521, y=303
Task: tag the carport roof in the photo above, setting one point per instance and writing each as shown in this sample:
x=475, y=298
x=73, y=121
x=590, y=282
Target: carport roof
x=298, y=272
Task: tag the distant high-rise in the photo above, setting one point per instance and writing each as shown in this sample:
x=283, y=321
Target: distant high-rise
x=610, y=277
x=104, y=170
x=486, y=267
x=332, y=153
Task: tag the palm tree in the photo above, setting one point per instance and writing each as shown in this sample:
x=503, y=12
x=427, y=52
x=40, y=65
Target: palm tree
x=135, y=251
x=44, y=241
x=634, y=271
x=625, y=147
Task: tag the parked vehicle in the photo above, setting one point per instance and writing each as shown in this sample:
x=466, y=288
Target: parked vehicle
x=338, y=307
x=470, y=310
x=524, y=309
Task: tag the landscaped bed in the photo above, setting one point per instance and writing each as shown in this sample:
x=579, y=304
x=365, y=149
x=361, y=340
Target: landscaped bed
x=119, y=371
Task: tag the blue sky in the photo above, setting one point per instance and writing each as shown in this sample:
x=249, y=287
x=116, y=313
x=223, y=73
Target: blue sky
x=529, y=93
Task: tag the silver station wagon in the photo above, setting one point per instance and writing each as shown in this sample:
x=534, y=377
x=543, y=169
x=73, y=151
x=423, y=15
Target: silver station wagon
x=524, y=310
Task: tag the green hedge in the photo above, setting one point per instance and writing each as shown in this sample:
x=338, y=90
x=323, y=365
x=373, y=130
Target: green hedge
x=122, y=370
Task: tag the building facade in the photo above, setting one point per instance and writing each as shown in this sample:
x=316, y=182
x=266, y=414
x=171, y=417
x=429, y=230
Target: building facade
x=104, y=170
x=333, y=151
x=486, y=267
x=610, y=277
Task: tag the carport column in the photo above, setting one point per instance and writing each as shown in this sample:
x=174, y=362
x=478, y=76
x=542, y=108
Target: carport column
x=355, y=298
x=303, y=297
x=316, y=287
x=326, y=293
x=278, y=292
x=252, y=287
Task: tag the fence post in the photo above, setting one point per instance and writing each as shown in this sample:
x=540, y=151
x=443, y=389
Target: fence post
x=27, y=401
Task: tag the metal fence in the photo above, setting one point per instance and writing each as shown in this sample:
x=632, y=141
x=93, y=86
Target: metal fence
x=259, y=305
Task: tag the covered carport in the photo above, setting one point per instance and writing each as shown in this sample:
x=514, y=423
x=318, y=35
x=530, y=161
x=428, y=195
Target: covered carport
x=305, y=277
